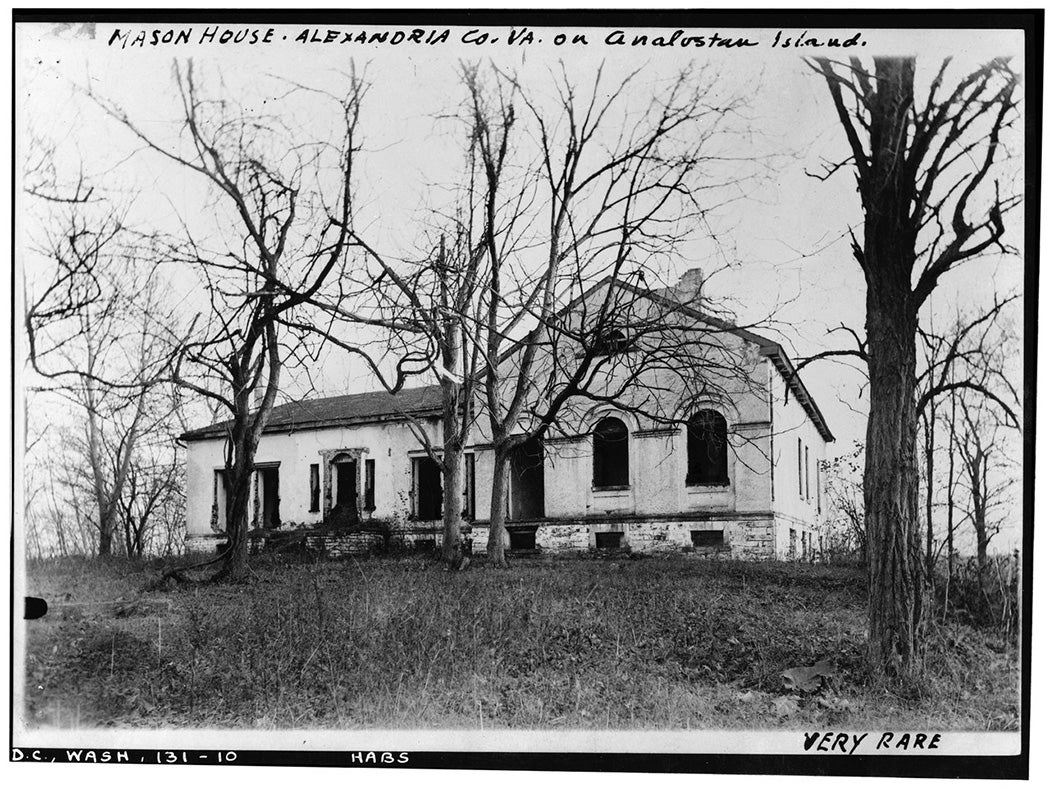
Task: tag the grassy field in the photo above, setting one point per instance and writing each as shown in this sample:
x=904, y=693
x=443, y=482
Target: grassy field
x=575, y=643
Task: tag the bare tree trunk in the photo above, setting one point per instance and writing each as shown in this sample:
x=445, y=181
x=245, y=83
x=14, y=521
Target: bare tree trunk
x=238, y=511
x=951, y=503
x=980, y=526
x=904, y=153
x=928, y=436
x=452, y=496
x=498, y=508
x=891, y=478
x=891, y=482
x=94, y=444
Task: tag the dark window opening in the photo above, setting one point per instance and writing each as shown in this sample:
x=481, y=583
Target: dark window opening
x=269, y=492
x=611, y=454
x=607, y=540
x=707, y=449
x=370, y=484
x=522, y=539
x=428, y=545
x=800, y=468
x=806, y=473
x=315, y=487
x=610, y=342
x=526, y=481
x=426, y=489
x=792, y=543
x=707, y=538
x=468, y=486
x=221, y=498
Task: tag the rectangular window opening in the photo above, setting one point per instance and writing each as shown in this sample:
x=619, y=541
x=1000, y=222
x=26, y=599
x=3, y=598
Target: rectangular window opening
x=800, y=468
x=522, y=539
x=807, y=473
x=221, y=483
x=315, y=487
x=708, y=538
x=792, y=543
x=608, y=540
x=370, y=484
x=468, y=483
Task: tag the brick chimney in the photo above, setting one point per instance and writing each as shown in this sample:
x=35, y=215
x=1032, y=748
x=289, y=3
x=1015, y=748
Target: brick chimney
x=690, y=286
x=258, y=393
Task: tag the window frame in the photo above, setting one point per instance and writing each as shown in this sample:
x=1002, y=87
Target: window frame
x=369, y=484
x=416, y=462
x=690, y=480
x=604, y=484
x=800, y=468
x=469, y=500
x=611, y=342
x=315, y=487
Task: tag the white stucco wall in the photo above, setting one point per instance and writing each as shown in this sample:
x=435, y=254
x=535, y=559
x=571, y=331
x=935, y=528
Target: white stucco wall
x=390, y=444
x=791, y=424
x=764, y=418
x=658, y=451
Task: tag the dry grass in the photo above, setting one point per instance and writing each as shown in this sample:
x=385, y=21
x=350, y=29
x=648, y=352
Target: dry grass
x=653, y=643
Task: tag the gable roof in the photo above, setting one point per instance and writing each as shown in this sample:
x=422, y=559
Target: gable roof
x=352, y=409
x=767, y=348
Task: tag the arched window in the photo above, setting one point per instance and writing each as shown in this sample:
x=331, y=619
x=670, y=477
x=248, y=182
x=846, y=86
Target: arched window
x=611, y=458
x=706, y=446
x=611, y=342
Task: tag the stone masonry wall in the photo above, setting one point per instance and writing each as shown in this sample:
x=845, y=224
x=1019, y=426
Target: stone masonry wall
x=752, y=539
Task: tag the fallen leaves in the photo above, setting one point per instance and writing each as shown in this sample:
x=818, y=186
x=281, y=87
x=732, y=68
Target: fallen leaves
x=808, y=679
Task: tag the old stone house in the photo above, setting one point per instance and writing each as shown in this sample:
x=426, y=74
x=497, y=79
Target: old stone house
x=738, y=474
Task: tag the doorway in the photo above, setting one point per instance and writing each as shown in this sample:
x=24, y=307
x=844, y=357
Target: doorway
x=346, y=485
x=270, y=494
x=526, y=481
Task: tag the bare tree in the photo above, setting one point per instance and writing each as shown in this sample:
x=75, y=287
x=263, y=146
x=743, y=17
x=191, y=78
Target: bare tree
x=987, y=471
x=596, y=197
x=968, y=358
x=923, y=163
x=550, y=204
x=844, y=491
x=288, y=231
x=88, y=339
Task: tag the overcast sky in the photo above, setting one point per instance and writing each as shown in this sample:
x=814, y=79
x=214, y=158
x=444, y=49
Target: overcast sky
x=788, y=238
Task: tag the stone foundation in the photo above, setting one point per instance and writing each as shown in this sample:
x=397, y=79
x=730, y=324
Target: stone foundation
x=203, y=543
x=751, y=538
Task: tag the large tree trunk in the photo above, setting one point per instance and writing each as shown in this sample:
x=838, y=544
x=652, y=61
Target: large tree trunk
x=891, y=484
x=105, y=536
x=891, y=478
x=452, y=501
x=498, y=509
x=238, y=504
x=235, y=561
x=452, y=458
